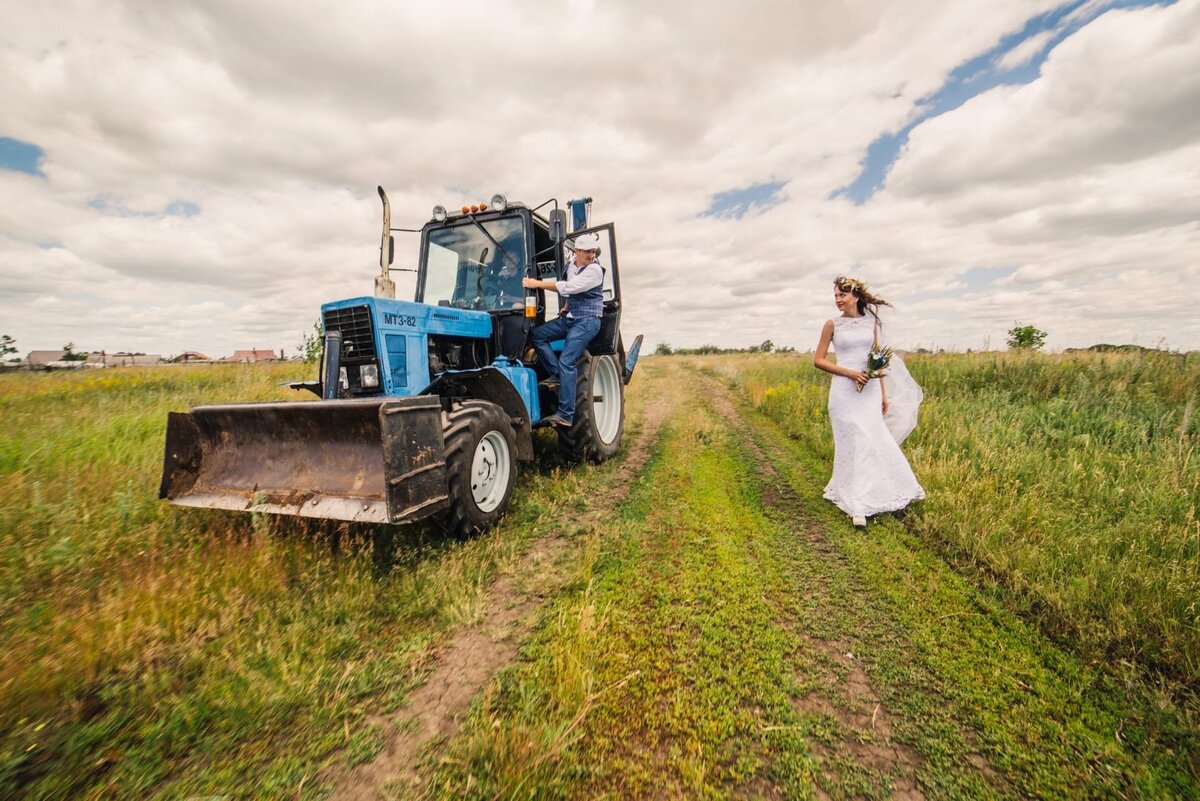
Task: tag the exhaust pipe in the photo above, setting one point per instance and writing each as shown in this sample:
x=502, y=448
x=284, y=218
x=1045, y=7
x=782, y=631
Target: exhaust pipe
x=384, y=286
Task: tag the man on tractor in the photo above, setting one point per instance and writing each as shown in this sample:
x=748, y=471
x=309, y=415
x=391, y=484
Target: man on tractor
x=577, y=324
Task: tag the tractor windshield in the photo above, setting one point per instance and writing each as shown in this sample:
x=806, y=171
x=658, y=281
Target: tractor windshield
x=468, y=270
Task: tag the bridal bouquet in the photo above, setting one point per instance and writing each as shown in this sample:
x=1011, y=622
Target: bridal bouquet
x=877, y=361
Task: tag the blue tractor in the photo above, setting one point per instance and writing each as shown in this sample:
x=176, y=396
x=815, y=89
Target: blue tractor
x=427, y=405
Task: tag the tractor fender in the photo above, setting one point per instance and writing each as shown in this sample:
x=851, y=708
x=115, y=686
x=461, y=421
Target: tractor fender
x=492, y=385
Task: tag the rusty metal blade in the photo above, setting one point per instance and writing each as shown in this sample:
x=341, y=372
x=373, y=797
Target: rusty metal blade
x=322, y=459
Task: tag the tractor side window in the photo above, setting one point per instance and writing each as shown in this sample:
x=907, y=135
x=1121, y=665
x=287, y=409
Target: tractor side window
x=543, y=267
x=440, y=275
x=551, y=302
x=606, y=262
x=605, y=250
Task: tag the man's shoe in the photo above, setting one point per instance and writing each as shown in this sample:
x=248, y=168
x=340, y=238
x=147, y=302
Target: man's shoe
x=550, y=384
x=557, y=421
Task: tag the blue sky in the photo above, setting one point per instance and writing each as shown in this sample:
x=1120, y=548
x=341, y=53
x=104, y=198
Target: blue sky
x=978, y=74
x=982, y=72
x=108, y=205
x=737, y=203
x=19, y=156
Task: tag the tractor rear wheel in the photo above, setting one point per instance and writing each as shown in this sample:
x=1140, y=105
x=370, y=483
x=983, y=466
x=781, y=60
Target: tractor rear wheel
x=481, y=465
x=595, y=433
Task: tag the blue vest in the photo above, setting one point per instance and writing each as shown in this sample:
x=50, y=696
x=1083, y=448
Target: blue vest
x=589, y=303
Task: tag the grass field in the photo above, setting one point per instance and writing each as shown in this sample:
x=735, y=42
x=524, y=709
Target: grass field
x=1029, y=630
x=152, y=651
x=1073, y=481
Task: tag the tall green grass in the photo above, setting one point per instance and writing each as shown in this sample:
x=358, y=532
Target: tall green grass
x=152, y=651
x=1072, y=481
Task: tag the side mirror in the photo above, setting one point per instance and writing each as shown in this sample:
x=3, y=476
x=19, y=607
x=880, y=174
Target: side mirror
x=558, y=225
x=391, y=248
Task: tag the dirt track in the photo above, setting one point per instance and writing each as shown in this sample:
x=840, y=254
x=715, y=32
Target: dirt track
x=469, y=660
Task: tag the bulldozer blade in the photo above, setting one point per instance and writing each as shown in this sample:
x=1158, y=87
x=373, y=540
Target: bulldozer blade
x=367, y=461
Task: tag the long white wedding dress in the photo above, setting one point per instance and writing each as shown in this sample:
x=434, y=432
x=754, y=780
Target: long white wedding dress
x=870, y=473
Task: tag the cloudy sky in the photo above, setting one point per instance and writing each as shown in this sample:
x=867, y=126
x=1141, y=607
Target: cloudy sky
x=202, y=176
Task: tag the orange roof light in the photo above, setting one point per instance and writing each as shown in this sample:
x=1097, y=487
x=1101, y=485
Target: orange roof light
x=466, y=209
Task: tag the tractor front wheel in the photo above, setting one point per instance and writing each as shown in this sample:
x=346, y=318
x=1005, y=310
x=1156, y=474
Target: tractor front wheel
x=481, y=466
x=595, y=433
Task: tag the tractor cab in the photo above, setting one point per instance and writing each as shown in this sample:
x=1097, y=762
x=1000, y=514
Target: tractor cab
x=475, y=260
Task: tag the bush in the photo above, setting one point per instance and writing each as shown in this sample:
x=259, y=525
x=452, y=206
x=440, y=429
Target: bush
x=1026, y=337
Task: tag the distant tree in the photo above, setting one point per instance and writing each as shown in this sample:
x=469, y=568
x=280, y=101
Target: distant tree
x=1026, y=337
x=69, y=354
x=310, y=346
x=663, y=349
x=767, y=346
x=7, y=345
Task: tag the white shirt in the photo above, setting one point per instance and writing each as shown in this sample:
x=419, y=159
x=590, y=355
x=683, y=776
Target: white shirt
x=580, y=280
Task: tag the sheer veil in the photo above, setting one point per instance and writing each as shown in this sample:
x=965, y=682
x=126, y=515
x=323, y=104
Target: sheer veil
x=903, y=393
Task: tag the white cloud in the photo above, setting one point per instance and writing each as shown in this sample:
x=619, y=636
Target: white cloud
x=1087, y=176
x=1123, y=89
x=278, y=125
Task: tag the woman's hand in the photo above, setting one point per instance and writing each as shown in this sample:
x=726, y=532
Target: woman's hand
x=885, y=405
x=858, y=376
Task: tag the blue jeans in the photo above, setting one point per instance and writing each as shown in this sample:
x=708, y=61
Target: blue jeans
x=577, y=333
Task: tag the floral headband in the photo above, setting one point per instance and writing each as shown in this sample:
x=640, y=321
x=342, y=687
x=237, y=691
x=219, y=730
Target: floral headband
x=850, y=285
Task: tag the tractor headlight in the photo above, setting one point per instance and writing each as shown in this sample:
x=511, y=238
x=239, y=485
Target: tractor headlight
x=439, y=213
x=499, y=203
x=369, y=375
x=343, y=379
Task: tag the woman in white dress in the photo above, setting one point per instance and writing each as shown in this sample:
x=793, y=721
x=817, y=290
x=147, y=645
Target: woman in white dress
x=870, y=473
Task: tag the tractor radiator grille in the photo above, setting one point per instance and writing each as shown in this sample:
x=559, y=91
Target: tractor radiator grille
x=358, y=336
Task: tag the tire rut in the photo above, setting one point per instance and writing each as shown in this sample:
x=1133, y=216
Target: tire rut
x=467, y=662
x=847, y=695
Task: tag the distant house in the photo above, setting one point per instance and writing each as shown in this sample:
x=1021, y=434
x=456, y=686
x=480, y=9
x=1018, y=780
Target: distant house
x=133, y=359
x=40, y=359
x=190, y=356
x=53, y=359
x=253, y=355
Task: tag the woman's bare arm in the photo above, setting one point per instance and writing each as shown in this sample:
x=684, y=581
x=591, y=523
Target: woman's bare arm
x=821, y=362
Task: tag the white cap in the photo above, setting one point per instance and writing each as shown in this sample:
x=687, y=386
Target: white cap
x=587, y=242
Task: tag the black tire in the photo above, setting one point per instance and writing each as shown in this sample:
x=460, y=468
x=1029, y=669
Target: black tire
x=470, y=428
x=599, y=425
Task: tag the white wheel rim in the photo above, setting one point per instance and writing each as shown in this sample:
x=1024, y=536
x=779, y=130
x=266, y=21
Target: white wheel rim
x=491, y=469
x=606, y=399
